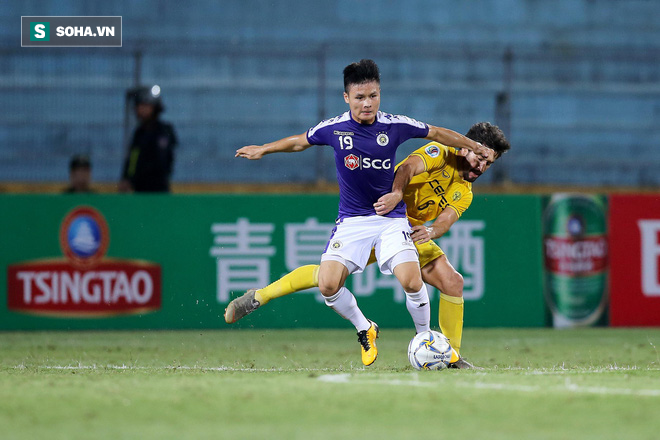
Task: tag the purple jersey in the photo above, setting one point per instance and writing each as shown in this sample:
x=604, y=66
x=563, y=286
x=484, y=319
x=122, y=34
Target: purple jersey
x=365, y=156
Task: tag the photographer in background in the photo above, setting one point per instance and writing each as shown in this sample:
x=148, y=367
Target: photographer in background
x=149, y=162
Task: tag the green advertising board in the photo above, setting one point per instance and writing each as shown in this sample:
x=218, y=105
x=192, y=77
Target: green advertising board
x=174, y=261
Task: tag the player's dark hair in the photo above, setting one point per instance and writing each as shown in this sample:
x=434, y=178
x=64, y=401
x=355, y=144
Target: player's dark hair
x=361, y=72
x=489, y=135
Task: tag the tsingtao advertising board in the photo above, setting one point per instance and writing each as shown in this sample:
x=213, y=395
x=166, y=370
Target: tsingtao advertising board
x=175, y=261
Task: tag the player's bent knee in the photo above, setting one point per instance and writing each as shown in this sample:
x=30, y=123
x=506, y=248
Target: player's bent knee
x=458, y=280
x=328, y=289
x=329, y=286
x=455, y=285
x=405, y=267
x=331, y=275
x=411, y=281
x=413, y=285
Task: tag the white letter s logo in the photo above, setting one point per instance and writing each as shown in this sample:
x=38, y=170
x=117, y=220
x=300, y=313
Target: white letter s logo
x=39, y=31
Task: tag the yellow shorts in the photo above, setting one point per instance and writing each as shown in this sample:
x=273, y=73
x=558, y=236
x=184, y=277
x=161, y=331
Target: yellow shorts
x=428, y=252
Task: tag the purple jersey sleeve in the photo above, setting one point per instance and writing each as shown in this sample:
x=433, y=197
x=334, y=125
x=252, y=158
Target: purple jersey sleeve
x=321, y=133
x=409, y=128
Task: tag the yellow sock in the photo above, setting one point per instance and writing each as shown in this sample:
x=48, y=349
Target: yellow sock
x=451, y=319
x=304, y=277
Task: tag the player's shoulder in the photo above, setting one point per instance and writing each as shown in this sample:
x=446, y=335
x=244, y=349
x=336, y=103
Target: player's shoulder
x=461, y=190
x=389, y=118
x=331, y=122
x=434, y=150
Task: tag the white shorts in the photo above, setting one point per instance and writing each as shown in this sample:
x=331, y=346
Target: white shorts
x=354, y=237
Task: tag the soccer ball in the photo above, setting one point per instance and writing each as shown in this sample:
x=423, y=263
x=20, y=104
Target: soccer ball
x=429, y=350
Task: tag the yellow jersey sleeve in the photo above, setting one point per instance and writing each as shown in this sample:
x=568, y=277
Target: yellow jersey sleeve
x=460, y=197
x=433, y=154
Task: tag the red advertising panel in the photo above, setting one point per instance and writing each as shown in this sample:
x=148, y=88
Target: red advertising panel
x=635, y=260
x=111, y=287
x=85, y=283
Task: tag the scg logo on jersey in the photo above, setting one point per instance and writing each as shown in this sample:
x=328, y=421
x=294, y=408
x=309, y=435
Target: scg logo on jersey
x=352, y=162
x=376, y=164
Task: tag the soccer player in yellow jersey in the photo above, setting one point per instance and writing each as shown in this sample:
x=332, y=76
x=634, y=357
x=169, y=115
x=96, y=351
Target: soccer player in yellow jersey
x=435, y=182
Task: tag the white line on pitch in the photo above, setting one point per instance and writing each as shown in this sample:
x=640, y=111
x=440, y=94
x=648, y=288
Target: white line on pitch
x=526, y=371
x=176, y=367
x=568, y=386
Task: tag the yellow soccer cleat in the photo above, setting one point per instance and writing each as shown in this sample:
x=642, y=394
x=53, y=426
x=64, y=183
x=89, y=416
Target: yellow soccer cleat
x=367, y=340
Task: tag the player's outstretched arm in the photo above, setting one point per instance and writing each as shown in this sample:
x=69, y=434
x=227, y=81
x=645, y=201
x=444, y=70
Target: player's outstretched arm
x=422, y=233
x=412, y=166
x=289, y=144
x=451, y=138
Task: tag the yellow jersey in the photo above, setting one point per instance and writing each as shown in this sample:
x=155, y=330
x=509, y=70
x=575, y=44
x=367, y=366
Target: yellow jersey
x=438, y=187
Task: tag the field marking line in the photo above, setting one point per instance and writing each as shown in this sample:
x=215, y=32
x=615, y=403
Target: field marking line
x=525, y=371
x=348, y=378
x=177, y=367
x=414, y=381
x=564, y=370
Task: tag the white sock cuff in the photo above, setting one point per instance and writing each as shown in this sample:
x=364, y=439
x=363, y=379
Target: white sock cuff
x=329, y=300
x=420, y=297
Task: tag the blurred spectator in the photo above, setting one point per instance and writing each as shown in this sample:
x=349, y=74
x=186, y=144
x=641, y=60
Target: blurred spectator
x=149, y=162
x=80, y=174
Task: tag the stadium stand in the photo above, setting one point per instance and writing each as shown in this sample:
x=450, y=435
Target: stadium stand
x=578, y=84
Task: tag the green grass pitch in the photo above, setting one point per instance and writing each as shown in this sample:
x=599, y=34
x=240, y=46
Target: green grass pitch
x=310, y=384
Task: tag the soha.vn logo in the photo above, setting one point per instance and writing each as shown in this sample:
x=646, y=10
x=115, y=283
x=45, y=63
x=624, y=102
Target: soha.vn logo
x=85, y=282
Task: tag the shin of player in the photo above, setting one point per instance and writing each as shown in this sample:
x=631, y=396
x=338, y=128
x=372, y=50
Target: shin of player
x=405, y=266
x=440, y=273
x=332, y=275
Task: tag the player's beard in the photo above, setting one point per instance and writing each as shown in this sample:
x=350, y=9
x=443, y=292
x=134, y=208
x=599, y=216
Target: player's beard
x=472, y=175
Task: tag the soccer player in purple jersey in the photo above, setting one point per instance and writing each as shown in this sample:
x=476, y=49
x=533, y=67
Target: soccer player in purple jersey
x=365, y=141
